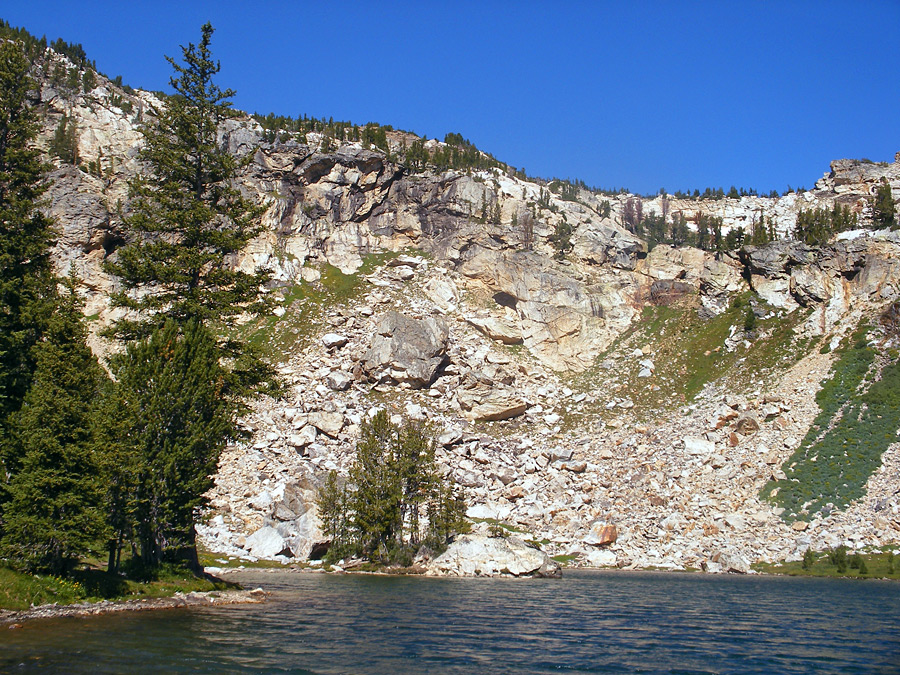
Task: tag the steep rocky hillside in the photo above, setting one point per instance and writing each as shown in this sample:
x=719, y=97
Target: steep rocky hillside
x=625, y=406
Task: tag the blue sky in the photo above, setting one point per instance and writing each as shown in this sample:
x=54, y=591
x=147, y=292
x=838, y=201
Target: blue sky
x=636, y=94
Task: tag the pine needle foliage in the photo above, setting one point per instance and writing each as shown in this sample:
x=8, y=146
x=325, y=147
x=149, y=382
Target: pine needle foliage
x=54, y=515
x=180, y=407
x=883, y=210
x=395, y=500
x=26, y=279
x=189, y=216
x=180, y=385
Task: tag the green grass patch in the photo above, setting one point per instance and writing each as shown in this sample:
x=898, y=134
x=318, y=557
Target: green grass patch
x=20, y=590
x=306, y=304
x=209, y=559
x=858, y=419
x=689, y=353
x=879, y=564
x=564, y=559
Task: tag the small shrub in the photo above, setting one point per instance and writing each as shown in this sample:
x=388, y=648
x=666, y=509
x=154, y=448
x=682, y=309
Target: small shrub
x=808, y=559
x=750, y=320
x=838, y=558
x=497, y=531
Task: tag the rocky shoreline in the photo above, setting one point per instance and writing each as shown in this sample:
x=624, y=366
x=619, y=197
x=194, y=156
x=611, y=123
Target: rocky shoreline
x=12, y=619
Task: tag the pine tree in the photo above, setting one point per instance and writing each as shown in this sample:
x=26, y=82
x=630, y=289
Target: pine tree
x=189, y=219
x=182, y=408
x=883, y=206
x=189, y=215
x=395, y=499
x=54, y=514
x=27, y=284
x=64, y=143
x=562, y=239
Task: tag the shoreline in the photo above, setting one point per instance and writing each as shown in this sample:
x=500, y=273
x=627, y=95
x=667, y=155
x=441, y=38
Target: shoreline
x=11, y=619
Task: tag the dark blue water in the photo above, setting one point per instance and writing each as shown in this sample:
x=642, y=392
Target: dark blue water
x=583, y=623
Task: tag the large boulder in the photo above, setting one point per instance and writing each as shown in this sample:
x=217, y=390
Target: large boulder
x=497, y=329
x=267, y=542
x=606, y=243
x=490, y=404
x=601, y=534
x=407, y=350
x=473, y=555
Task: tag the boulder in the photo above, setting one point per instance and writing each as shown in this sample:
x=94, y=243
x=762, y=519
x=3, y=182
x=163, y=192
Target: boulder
x=407, y=350
x=328, y=423
x=487, y=404
x=726, y=562
x=338, y=380
x=698, y=446
x=747, y=424
x=601, y=558
x=497, y=329
x=610, y=244
x=304, y=437
x=442, y=292
x=266, y=542
x=601, y=534
x=480, y=555
x=334, y=340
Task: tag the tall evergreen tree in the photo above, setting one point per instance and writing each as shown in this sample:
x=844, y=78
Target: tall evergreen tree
x=54, y=513
x=395, y=500
x=189, y=219
x=883, y=206
x=181, y=410
x=189, y=216
x=26, y=235
x=27, y=284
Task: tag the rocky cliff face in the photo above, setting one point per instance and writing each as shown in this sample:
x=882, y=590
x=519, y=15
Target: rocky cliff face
x=482, y=331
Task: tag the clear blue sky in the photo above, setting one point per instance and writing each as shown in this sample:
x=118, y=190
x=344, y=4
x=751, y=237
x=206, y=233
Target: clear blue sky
x=636, y=94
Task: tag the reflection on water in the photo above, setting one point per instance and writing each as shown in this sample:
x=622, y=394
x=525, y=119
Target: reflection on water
x=583, y=623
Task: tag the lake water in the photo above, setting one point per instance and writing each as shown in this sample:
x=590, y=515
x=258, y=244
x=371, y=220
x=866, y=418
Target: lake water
x=615, y=622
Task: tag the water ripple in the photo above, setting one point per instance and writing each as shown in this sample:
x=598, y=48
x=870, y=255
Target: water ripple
x=584, y=623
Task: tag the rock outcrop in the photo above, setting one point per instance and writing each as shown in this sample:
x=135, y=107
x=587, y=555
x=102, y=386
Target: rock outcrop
x=472, y=555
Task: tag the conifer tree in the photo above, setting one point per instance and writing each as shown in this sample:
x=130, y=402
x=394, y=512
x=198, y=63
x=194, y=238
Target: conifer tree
x=64, y=143
x=54, y=513
x=27, y=284
x=180, y=407
x=182, y=386
x=883, y=206
x=395, y=500
x=25, y=234
x=189, y=216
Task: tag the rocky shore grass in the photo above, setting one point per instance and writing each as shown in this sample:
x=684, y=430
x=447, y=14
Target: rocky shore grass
x=91, y=591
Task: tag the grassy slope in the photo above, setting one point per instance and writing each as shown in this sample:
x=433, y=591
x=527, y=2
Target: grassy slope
x=877, y=563
x=689, y=353
x=307, y=304
x=859, y=419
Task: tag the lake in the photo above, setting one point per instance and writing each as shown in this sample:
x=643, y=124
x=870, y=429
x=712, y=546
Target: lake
x=586, y=622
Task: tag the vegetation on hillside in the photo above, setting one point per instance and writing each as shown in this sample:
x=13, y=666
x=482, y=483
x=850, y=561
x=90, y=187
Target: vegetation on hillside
x=859, y=418
x=817, y=226
x=689, y=353
x=839, y=562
